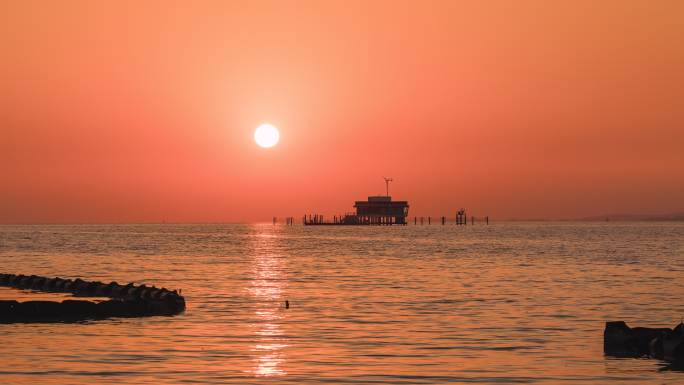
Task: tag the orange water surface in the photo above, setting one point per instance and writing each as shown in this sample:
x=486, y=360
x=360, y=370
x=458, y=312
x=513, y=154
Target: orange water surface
x=505, y=303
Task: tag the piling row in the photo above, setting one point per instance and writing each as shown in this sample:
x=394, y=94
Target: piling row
x=461, y=219
x=126, y=300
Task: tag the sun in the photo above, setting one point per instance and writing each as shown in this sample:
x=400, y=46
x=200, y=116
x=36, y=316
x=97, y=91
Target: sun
x=266, y=135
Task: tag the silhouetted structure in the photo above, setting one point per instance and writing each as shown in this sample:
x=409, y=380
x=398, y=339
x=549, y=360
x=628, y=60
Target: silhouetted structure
x=381, y=210
x=377, y=210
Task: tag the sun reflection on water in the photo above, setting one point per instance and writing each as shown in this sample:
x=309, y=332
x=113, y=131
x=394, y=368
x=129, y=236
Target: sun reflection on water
x=267, y=286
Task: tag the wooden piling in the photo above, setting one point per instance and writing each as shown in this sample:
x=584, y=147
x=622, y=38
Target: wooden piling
x=461, y=217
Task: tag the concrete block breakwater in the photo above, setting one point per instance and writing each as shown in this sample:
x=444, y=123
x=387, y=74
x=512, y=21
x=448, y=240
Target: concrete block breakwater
x=126, y=300
x=663, y=343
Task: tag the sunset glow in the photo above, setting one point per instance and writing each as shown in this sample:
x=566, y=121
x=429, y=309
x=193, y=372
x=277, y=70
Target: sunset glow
x=266, y=135
x=341, y=192
x=114, y=114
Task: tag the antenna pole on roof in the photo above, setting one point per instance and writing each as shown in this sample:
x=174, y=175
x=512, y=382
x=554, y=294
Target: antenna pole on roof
x=387, y=180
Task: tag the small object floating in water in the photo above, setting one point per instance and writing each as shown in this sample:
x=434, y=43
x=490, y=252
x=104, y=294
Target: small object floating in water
x=663, y=343
x=126, y=301
x=287, y=304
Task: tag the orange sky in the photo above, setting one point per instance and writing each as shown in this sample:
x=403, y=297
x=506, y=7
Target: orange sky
x=144, y=111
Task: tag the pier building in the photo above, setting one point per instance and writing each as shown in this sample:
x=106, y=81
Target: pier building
x=377, y=210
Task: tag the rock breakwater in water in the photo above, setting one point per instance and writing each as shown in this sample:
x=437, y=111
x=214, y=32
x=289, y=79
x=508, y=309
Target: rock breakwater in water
x=662, y=343
x=125, y=300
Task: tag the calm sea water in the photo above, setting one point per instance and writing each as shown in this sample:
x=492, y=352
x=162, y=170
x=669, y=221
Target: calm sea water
x=505, y=303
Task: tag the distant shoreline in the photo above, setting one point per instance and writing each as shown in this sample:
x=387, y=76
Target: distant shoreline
x=610, y=218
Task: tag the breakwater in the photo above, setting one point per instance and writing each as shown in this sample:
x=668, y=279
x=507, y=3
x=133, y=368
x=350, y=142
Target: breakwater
x=621, y=340
x=125, y=300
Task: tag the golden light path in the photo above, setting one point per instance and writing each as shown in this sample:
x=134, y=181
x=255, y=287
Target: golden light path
x=268, y=283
